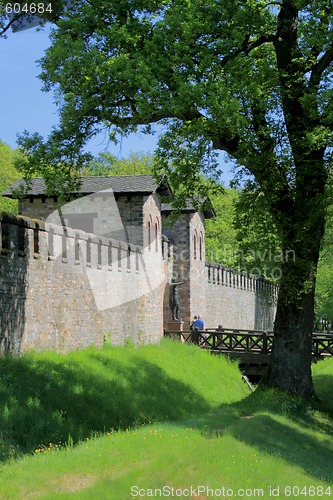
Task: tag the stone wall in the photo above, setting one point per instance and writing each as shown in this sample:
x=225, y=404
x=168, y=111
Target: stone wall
x=38, y=208
x=198, y=293
x=180, y=239
x=236, y=301
x=64, y=289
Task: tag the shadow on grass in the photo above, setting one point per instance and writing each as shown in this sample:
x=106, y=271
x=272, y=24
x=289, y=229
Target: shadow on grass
x=324, y=390
x=304, y=438
x=44, y=401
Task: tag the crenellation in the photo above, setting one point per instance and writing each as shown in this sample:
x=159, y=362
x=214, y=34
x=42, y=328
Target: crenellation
x=23, y=237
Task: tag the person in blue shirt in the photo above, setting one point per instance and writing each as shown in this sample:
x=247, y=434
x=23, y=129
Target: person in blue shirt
x=199, y=323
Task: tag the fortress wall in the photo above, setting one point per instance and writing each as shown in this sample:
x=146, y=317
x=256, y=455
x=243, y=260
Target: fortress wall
x=39, y=208
x=237, y=301
x=65, y=289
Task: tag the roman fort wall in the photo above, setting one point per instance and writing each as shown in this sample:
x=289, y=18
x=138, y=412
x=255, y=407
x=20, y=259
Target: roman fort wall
x=64, y=289
x=235, y=300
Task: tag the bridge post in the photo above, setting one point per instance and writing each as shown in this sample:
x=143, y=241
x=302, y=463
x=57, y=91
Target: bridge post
x=264, y=343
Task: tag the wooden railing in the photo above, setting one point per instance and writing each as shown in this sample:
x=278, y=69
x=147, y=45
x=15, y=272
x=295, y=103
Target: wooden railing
x=255, y=342
x=322, y=345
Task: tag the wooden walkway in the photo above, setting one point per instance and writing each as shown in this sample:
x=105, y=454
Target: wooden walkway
x=252, y=348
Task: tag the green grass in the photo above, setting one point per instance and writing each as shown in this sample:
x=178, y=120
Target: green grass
x=167, y=416
x=48, y=397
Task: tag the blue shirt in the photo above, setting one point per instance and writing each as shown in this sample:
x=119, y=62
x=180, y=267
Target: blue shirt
x=199, y=324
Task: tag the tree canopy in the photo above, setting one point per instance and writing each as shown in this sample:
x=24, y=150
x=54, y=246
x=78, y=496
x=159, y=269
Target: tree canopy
x=251, y=78
x=8, y=174
x=107, y=164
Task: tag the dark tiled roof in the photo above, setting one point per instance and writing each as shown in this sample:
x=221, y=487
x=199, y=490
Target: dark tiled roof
x=144, y=184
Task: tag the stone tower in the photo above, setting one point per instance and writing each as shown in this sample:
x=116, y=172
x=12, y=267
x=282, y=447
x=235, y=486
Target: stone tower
x=187, y=236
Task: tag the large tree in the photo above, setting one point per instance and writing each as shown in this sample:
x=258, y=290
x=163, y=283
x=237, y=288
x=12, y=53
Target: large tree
x=251, y=78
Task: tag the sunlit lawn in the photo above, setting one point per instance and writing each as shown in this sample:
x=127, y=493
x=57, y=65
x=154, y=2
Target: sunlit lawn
x=204, y=434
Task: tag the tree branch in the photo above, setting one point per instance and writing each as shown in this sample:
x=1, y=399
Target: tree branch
x=321, y=66
x=9, y=25
x=247, y=47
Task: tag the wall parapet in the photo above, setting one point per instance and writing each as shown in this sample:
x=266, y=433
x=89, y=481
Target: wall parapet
x=22, y=237
x=217, y=274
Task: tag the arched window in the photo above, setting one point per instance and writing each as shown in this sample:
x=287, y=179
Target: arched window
x=201, y=246
x=150, y=224
x=195, y=239
x=156, y=234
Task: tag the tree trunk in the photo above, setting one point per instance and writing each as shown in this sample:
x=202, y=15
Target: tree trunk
x=290, y=364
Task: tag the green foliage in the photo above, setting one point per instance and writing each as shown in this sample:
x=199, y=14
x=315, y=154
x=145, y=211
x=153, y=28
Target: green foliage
x=8, y=174
x=324, y=282
x=258, y=238
x=220, y=234
x=244, y=236
x=60, y=170
x=107, y=164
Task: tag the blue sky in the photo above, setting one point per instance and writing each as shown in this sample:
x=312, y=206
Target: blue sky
x=25, y=107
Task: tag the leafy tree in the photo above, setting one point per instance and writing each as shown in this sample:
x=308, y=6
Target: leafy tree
x=257, y=247
x=324, y=286
x=8, y=174
x=220, y=235
x=257, y=234
x=251, y=78
x=107, y=164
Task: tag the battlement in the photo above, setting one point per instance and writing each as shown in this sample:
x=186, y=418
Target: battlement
x=218, y=274
x=24, y=238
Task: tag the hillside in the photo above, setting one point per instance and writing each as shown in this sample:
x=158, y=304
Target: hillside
x=183, y=423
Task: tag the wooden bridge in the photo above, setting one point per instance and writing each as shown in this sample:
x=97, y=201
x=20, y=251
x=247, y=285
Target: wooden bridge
x=252, y=348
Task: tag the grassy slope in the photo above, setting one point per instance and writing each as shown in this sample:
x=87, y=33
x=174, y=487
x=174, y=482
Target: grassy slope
x=220, y=435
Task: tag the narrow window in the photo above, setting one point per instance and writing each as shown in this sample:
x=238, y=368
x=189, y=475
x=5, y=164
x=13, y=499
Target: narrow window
x=64, y=245
x=36, y=239
x=156, y=237
x=119, y=257
x=195, y=246
x=149, y=235
x=128, y=258
x=51, y=242
x=99, y=253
